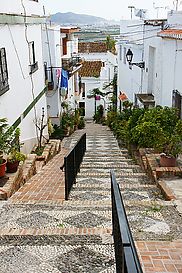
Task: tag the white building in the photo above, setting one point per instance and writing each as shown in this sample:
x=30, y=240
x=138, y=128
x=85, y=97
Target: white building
x=97, y=72
x=159, y=83
x=72, y=63
x=60, y=48
x=163, y=55
x=22, y=82
x=51, y=39
x=134, y=35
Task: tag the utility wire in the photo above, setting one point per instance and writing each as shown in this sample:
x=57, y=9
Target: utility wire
x=31, y=79
x=16, y=51
x=139, y=31
x=142, y=39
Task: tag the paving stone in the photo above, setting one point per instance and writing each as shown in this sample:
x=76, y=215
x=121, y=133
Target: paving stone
x=56, y=236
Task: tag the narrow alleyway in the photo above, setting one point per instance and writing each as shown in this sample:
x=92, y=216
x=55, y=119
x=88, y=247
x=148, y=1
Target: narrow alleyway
x=46, y=234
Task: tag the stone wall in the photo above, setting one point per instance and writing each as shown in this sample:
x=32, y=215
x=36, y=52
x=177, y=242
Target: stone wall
x=26, y=170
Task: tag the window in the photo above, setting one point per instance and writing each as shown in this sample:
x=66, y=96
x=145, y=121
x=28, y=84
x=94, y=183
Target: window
x=124, y=55
x=83, y=89
x=3, y=72
x=120, y=52
x=177, y=101
x=33, y=63
x=82, y=108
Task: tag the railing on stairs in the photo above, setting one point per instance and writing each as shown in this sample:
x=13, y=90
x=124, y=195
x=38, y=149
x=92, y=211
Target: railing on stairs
x=127, y=260
x=72, y=163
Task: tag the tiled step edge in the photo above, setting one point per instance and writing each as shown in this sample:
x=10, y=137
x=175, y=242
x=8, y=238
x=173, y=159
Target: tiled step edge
x=54, y=231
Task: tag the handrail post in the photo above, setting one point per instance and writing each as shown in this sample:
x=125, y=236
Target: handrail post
x=72, y=162
x=127, y=260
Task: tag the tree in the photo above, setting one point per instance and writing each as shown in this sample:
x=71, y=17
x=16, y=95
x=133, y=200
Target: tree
x=111, y=44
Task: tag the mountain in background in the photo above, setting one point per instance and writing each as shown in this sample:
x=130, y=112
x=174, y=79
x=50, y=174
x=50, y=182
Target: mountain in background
x=74, y=18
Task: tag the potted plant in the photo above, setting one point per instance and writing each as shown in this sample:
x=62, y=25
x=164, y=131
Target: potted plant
x=13, y=160
x=170, y=146
x=170, y=150
x=4, y=144
x=2, y=165
x=9, y=143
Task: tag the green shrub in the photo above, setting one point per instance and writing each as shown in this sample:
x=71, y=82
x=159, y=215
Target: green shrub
x=98, y=117
x=81, y=124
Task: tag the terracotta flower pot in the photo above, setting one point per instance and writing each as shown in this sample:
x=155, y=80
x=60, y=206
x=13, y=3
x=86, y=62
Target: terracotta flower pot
x=11, y=167
x=167, y=161
x=3, y=168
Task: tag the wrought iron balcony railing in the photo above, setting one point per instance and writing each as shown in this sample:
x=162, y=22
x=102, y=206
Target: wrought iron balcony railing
x=69, y=64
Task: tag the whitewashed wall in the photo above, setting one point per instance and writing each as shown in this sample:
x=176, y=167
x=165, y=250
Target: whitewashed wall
x=22, y=90
x=107, y=73
x=16, y=7
x=166, y=64
x=52, y=56
x=129, y=81
x=90, y=84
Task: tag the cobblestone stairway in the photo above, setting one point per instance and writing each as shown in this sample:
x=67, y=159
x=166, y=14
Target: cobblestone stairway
x=75, y=235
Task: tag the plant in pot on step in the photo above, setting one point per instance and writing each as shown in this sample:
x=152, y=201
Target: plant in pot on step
x=5, y=138
x=2, y=165
x=13, y=160
x=170, y=146
x=14, y=155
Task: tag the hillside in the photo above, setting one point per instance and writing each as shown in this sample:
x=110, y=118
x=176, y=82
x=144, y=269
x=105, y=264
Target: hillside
x=73, y=18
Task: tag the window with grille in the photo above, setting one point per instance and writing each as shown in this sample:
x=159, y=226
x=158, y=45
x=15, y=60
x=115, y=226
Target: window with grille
x=4, y=86
x=33, y=63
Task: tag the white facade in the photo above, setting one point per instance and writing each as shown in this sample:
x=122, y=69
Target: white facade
x=130, y=80
x=162, y=54
x=72, y=97
x=15, y=7
x=109, y=61
x=22, y=103
x=60, y=46
x=133, y=79
x=52, y=53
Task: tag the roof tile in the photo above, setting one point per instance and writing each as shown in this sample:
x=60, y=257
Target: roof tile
x=92, y=47
x=171, y=34
x=91, y=69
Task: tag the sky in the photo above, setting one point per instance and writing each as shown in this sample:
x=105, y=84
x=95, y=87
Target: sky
x=111, y=9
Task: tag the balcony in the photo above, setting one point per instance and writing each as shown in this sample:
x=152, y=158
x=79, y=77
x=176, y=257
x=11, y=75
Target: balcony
x=146, y=99
x=72, y=64
x=33, y=67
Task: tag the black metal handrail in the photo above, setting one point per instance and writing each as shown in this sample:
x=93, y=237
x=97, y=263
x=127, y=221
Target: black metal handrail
x=127, y=260
x=72, y=163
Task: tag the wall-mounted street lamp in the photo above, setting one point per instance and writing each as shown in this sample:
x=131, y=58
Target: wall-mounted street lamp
x=129, y=58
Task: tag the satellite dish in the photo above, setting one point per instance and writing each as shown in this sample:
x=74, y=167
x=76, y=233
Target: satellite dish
x=140, y=13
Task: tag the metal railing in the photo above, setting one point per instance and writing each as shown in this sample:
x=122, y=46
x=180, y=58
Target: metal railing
x=69, y=63
x=127, y=260
x=72, y=163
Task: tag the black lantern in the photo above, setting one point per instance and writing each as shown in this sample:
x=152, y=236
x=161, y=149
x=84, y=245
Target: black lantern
x=129, y=58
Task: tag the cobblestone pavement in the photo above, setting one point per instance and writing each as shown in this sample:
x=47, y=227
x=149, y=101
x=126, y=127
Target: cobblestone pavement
x=56, y=236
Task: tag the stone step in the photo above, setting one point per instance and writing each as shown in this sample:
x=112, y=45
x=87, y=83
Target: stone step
x=109, y=166
x=96, y=155
x=9, y=235
x=102, y=170
x=87, y=203
x=107, y=174
x=146, y=203
x=93, y=152
x=109, y=151
x=107, y=159
x=89, y=186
